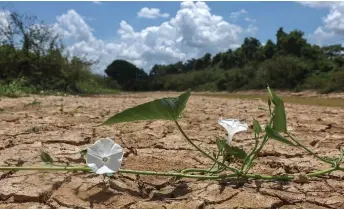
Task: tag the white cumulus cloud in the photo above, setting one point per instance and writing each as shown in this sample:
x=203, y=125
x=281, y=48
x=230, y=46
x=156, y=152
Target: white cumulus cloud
x=72, y=25
x=335, y=19
x=317, y=4
x=193, y=31
x=4, y=16
x=248, y=19
x=333, y=23
x=321, y=36
x=151, y=13
x=237, y=14
x=251, y=29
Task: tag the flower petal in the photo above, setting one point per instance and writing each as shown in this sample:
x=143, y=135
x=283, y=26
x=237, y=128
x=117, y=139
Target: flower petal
x=114, y=161
x=104, y=169
x=93, y=167
x=94, y=162
x=232, y=126
x=107, y=144
x=97, y=149
x=116, y=148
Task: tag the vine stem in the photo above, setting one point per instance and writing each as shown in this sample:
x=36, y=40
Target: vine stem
x=340, y=159
x=326, y=171
x=308, y=150
x=196, y=170
x=203, y=152
x=87, y=169
x=173, y=174
x=248, y=157
x=255, y=154
x=214, y=164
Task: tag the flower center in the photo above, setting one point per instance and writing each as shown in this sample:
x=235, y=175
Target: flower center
x=105, y=159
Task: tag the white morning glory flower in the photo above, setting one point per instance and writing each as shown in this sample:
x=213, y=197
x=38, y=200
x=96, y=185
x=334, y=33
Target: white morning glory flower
x=104, y=156
x=232, y=126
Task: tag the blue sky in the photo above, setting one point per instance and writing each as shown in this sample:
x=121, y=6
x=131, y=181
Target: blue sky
x=111, y=30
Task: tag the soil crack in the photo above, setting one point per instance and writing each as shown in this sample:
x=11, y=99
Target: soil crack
x=86, y=140
x=207, y=202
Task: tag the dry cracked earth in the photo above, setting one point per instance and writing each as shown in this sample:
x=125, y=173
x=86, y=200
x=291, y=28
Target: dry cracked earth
x=62, y=126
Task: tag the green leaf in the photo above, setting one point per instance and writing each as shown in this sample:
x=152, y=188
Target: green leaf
x=261, y=108
x=230, y=151
x=279, y=120
x=45, y=157
x=83, y=152
x=256, y=126
x=221, y=143
x=237, y=152
x=169, y=108
x=275, y=135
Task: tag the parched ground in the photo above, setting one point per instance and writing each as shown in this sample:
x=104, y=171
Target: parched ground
x=64, y=130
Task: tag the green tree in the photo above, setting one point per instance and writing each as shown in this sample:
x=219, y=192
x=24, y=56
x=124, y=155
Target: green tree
x=238, y=58
x=207, y=60
x=333, y=50
x=280, y=35
x=225, y=60
x=216, y=59
x=312, y=52
x=231, y=59
x=199, y=64
x=269, y=49
x=189, y=65
x=292, y=43
x=155, y=71
x=250, y=49
x=283, y=72
x=124, y=72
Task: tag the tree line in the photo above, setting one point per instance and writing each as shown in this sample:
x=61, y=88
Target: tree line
x=33, y=58
x=289, y=63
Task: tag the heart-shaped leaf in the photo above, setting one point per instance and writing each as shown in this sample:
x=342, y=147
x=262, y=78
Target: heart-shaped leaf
x=230, y=151
x=237, y=152
x=221, y=143
x=169, y=108
x=256, y=126
x=279, y=120
x=275, y=135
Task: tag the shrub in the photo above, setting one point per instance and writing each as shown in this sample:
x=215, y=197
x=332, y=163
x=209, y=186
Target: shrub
x=283, y=72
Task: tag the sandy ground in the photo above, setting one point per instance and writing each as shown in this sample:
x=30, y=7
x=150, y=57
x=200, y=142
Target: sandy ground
x=158, y=146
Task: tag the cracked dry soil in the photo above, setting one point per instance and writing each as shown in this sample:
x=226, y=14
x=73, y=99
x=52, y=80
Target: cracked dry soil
x=158, y=146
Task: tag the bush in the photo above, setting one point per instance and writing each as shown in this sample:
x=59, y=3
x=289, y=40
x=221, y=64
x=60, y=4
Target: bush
x=192, y=80
x=207, y=87
x=238, y=78
x=16, y=88
x=316, y=81
x=337, y=81
x=285, y=72
x=39, y=62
